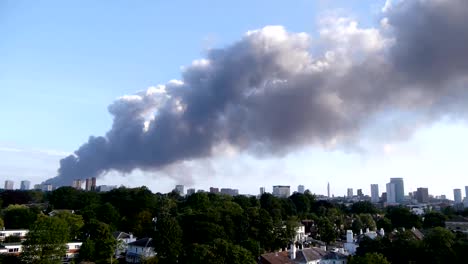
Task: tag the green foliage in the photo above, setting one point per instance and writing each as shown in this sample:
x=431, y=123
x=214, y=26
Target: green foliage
x=99, y=243
x=168, y=239
x=220, y=251
x=46, y=241
x=363, y=207
x=74, y=222
x=402, y=217
x=434, y=219
x=19, y=216
x=438, y=245
x=369, y=258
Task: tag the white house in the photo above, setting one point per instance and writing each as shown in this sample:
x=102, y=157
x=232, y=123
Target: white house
x=140, y=249
x=21, y=233
x=11, y=248
x=123, y=239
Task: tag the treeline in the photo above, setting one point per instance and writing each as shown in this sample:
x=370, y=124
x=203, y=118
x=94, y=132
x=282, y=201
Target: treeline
x=213, y=228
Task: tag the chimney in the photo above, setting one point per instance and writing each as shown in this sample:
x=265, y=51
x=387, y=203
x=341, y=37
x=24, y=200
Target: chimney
x=367, y=230
x=382, y=232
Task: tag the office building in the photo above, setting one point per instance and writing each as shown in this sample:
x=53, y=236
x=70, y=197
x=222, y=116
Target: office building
x=190, y=191
x=359, y=193
x=399, y=189
x=350, y=192
x=422, y=195
x=262, y=190
x=214, y=190
x=466, y=191
x=374, y=188
x=25, y=185
x=47, y=188
x=77, y=184
x=282, y=191
x=106, y=188
x=457, y=196
x=391, y=193
x=90, y=184
x=9, y=185
x=328, y=190
x=179, y=189
x=229, y=191
x=93, y=183
x=300, y=189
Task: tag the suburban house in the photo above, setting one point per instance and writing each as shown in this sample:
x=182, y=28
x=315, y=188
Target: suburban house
x=139, y=250
x=123, y=239
x=11, y=248
x=16, y=248
x=21, y=233
x=311, y=255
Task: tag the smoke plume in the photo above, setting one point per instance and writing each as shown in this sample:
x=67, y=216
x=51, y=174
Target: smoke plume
x=274, y=91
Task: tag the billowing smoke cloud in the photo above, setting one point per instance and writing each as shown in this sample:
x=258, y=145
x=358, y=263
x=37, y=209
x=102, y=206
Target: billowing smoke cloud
x=270, y=92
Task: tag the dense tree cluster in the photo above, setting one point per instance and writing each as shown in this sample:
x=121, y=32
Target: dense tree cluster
x=214, y=228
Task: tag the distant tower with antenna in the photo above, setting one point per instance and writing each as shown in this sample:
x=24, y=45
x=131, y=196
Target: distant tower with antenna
x=328, y=189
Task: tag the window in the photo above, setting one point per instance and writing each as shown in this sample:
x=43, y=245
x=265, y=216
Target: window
x=77, y=246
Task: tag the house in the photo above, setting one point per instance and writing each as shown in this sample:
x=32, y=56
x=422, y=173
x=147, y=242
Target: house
x=140, y=249
x=16, y=248
x=123, y=239
x=311, y=255
x=59, y=211
x=21, y=233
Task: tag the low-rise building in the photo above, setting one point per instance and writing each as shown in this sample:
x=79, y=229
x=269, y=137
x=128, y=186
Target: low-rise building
x=139, y=250
x=21, y=233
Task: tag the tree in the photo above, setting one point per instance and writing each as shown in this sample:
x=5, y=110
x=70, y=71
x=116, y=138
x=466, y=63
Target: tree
x=74, y=222
x=438, y=245
x=220, y=251
x=168, y=239
x=369, y=258
x=368, y=221
x=363, y=207
x=18, y=216
x=99, y=243
x=46, y=241
x=402, y=217
x=434, y=219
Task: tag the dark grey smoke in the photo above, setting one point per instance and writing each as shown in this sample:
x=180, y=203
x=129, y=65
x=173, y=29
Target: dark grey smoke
x=268, y=94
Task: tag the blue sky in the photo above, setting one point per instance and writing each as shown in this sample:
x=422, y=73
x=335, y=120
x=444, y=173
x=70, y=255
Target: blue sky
x=63, y=62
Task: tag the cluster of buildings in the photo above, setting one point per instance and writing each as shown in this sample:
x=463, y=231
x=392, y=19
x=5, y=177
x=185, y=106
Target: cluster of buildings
x=89, y=185
x=228, y=191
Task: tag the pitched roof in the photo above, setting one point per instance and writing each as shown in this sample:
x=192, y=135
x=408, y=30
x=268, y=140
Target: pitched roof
x=276, y=258
x=121, y=235
x=144, y=242
x=313, y=253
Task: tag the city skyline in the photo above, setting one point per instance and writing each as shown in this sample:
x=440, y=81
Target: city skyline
x=63, y=72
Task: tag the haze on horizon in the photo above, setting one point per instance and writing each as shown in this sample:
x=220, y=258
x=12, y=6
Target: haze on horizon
x=346, y=102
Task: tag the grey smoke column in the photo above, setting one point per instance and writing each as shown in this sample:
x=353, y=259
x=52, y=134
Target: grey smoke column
x=268, y=93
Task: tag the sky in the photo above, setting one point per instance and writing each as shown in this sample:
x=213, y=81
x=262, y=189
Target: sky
x=62, y=63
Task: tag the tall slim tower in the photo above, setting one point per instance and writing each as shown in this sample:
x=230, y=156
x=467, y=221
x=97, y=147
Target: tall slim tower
x=457, y=196
x=391, y=193
x=399, y=189
x=374, y=188
x=328, y=189
x=466, y=192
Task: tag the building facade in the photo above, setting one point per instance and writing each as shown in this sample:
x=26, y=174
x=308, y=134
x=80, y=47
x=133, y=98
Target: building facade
x=391, y=196
x=422, y=195
x=350, y=193
x=457, y=196
x=282, y=191
x=179, y=189
x=9, y=185
x=374, y=193
x=300, y=189
x=399, y=189
x=25, y=185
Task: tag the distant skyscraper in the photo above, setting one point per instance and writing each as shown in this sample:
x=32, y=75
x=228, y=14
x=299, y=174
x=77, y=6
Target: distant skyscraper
x=457, y=196
x=422, y=195
x=391, y=195
x=9, y=185
x=229, y=191
x=25, y=185
x=466, y=191
x=190, y=191
x=328, y=189
x=350, y=192
x=262, y=190
x=399, y=189
x=47, y=187
x=214, y=190
x=179, y=189
x=374, y=188
x=359, y=192
x=300, y=189
x=283, y=191
x=77, y=184
x=88, y=184
x=93, y=183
